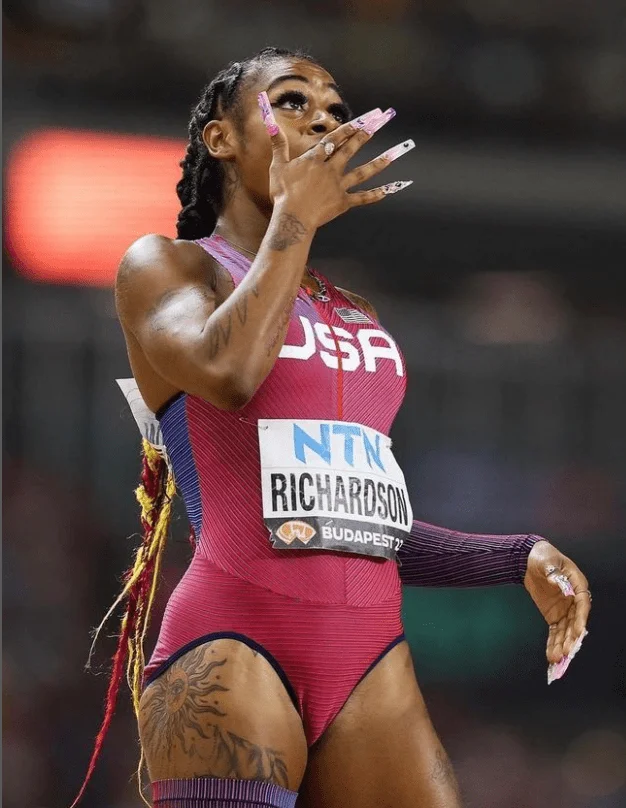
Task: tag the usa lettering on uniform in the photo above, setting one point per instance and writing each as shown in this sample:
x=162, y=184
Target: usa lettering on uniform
x=365, y=352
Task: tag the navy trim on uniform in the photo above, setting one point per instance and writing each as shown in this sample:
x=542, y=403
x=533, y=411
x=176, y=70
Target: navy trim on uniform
x=381, y=656
x=164, y=407
x=228, y=635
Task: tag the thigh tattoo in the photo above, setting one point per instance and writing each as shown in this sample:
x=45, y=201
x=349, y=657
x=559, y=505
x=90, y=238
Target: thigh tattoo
x=183, y=714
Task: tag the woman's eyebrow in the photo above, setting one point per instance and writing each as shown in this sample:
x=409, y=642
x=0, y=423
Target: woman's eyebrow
x=296, y=77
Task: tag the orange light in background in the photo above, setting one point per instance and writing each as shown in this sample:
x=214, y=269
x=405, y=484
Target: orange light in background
x=75, y=201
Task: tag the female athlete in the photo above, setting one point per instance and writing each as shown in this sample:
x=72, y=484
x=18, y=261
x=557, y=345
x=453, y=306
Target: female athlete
x=281, y=676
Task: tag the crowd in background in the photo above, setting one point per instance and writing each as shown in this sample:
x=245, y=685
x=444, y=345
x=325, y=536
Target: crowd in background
x=540, y=68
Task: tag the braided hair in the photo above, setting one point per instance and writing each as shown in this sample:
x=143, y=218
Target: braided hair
x=200, y=192
x=201, y=187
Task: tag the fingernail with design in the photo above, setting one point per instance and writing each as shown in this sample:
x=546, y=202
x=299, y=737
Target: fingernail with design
x=397, y=151
x=374, y=124
x=564, y=585
x=394, y=187
x=556, y=670
x=362, y=120
x=268, y=114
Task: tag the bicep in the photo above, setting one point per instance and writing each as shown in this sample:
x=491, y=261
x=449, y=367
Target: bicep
x=170, y=331
x=165, y=294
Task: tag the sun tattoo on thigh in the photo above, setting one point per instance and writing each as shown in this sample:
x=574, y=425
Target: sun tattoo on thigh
x=183, y=712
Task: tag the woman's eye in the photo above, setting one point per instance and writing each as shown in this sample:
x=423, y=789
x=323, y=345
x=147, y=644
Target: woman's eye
x=340, y=112
x=295, y=101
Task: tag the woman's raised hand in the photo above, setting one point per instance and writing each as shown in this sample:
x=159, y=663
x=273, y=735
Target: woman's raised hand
x=316, y=185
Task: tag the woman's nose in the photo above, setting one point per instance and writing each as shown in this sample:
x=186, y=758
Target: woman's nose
x=321, y=123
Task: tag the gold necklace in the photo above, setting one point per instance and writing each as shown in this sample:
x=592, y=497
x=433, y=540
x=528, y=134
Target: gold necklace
x=322, y=293
x=236, y=246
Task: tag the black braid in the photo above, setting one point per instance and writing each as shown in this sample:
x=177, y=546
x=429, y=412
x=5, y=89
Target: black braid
x=200, y=189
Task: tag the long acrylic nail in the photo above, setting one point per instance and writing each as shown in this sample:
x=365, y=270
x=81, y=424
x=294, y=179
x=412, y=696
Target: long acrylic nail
x=268, y=114
x=564, y=584
x=556, y=670
x=397, y=151
x=373, y=125
x=578, y=644
x=362, y=120
x=394, y=187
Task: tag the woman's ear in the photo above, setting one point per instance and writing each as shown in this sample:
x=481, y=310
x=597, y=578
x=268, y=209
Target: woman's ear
x=219, y=140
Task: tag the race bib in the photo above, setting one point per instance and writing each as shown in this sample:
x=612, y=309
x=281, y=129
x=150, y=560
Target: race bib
x=332, y=485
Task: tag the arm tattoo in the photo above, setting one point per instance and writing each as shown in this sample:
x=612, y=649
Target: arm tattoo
x=242, y=305
x=282, y=325
x=219, y=334
x=181, y=713
x=289, y=231
x=220, y=330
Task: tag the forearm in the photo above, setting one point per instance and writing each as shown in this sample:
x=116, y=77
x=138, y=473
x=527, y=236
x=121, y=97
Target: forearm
x=248, y=329
x=436, y=556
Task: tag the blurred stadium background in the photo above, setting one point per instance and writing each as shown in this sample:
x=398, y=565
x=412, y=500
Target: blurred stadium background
x=500, y=272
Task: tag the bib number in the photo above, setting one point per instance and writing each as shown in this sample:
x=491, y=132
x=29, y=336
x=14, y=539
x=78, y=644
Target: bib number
x=332, y=485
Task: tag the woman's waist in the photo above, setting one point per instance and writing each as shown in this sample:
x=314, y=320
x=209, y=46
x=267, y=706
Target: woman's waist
x=314, y=576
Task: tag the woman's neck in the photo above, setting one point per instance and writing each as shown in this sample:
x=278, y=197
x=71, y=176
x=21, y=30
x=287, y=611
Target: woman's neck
x=243, y=225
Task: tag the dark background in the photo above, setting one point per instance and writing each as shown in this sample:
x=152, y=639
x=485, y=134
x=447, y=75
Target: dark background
x=501, y=274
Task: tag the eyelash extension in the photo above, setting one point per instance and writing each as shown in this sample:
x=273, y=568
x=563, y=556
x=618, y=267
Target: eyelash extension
x=340, y=110
x=291, y=95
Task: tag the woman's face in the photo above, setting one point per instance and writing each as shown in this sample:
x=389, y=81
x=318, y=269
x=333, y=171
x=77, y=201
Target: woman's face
x=307, y=105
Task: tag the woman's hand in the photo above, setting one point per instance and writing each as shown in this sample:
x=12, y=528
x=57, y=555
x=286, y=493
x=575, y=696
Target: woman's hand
x=561, y=593
x=316, y=185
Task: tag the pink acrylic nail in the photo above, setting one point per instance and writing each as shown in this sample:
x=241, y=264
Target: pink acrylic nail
x=397, y=151
x=362, y=120
x=378, y=122
x=578, y=644
x=564, y=585
x=394, y=187
x=268, y=114
x=557, y=669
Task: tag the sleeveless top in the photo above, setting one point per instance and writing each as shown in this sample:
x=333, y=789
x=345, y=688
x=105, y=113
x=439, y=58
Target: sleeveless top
x=215, y=454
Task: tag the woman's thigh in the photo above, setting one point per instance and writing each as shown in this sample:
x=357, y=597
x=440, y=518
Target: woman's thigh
x=382, y=750
x=220, y=710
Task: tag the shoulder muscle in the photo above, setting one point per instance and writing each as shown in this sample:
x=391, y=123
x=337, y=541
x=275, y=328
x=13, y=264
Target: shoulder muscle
x=156, y=269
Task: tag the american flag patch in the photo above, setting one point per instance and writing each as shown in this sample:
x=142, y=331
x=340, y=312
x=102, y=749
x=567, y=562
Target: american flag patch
x=352, y=316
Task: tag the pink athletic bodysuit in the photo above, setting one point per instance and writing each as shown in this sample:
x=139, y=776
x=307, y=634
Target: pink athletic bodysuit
x=322, y=619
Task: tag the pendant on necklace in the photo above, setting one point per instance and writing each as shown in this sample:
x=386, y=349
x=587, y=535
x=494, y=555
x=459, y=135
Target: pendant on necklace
x=321, y=295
